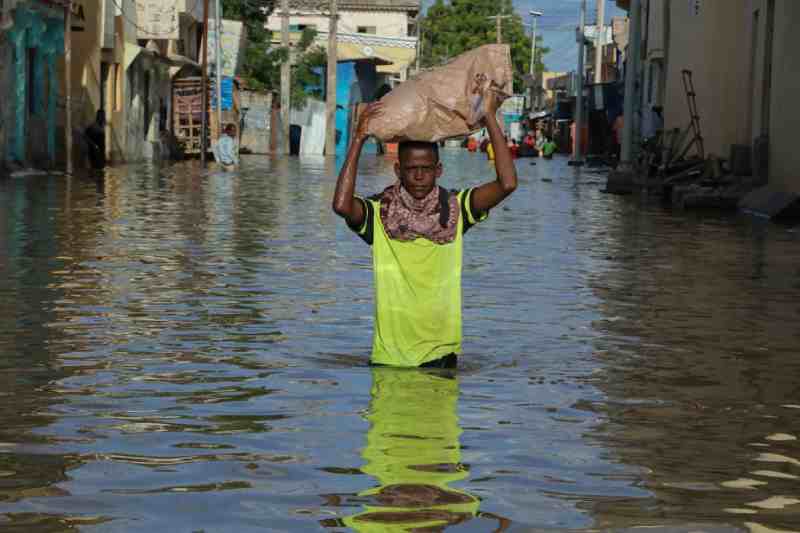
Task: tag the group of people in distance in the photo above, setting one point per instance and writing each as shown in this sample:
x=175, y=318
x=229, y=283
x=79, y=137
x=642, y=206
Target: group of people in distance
x=536, y=143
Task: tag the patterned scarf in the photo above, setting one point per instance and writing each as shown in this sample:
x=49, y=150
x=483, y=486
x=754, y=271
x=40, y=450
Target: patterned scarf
x=405, y=218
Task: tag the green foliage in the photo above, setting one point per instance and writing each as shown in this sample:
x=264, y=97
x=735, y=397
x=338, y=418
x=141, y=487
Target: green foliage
x=451, y=28
x=261, y=68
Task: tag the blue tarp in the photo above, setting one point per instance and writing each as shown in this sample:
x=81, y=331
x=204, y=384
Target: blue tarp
x=227, y=93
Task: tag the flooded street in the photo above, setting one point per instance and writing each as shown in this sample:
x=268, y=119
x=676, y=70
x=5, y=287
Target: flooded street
x=188, y=352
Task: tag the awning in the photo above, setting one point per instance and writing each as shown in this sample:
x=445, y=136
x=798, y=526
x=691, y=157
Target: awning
x=355, y=52
x=133, y=51
x=177, y=62
x=395, y=54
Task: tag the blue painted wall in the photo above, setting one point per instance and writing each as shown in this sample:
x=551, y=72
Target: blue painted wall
x=45, y=34
x=356, y=82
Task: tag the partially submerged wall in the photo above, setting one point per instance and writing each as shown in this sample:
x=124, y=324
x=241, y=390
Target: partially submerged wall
x=256, y=122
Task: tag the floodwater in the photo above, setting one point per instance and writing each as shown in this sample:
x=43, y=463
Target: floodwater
x=183, y=351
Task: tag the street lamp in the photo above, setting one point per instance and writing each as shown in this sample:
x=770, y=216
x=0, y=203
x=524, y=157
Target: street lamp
x=535, y=16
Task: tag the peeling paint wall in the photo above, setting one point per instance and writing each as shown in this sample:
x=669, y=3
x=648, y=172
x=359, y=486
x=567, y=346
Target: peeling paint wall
x=33, y=45
x=148, y=89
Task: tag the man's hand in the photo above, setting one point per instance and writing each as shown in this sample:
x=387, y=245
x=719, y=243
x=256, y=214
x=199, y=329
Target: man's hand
x=344, y=203
x=491, y=101
x=490, y=194
x=369, y=112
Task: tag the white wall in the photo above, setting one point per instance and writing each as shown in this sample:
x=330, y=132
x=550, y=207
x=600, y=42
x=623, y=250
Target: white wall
x=712, y=46
x=387, y=23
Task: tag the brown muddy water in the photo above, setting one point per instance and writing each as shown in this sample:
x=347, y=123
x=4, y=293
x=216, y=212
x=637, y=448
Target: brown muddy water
x=185, y=351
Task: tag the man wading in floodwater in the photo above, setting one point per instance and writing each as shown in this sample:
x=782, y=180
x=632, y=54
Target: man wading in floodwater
x=415, y=229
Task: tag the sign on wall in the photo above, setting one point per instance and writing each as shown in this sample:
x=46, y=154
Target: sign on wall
x=157, y=19
x=232, y=44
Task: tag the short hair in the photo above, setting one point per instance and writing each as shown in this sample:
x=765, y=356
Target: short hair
x=405, y=146
x=229, y=127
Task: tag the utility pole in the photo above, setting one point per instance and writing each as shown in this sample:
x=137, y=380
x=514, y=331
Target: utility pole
x=204, y=87
x=631, y=73
x=330, y=97
x=577, y=157
x=535, y=15
x=499, y=21
x=286, y=80
x=218, y=55
x=598, y=41
x=68, y=83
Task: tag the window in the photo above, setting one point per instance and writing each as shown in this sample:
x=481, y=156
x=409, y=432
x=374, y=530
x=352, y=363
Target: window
x=367, y=29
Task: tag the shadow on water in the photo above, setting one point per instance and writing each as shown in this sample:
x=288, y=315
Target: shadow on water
x=186, y=350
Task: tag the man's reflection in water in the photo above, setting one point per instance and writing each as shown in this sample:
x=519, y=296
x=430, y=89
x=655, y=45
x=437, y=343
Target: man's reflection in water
x=413, y=451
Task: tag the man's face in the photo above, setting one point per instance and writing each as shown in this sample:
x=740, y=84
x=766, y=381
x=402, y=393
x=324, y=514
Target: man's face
x=418, y=170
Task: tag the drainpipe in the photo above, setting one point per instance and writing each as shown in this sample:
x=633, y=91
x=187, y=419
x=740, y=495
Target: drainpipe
x=631, y=73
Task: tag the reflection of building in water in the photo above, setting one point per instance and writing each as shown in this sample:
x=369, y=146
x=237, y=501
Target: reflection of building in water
x=414, y=453
x=698, y=360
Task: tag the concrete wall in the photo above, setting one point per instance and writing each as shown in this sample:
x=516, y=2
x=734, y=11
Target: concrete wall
x=30, y=130
x=711, y=45
x=117, y=90
x=739, y=97
x=387, y=23
x=86, y=82
x=148, y=86
x=257, y=122
x=785, y=106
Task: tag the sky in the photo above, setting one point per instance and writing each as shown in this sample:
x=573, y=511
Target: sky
x=557, y=26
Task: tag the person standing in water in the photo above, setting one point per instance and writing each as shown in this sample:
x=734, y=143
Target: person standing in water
x=416, y=232
x=95, y=135
x=227, y=153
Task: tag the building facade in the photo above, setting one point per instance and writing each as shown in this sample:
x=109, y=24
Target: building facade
x=381, y=28
x=745, y=68
x=31, y=44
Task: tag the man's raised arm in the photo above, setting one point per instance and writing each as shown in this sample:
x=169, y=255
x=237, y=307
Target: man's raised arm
x=490, y=194
x=344, y=202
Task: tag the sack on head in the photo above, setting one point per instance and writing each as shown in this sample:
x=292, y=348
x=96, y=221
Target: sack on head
x=446, y=101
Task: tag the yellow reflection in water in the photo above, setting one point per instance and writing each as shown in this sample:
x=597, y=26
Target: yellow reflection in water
x=414, y=453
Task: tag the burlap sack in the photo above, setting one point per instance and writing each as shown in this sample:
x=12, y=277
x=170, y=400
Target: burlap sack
x=446, y=101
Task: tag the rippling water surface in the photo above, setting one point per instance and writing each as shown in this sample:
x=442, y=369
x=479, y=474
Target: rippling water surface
x=185, y=351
